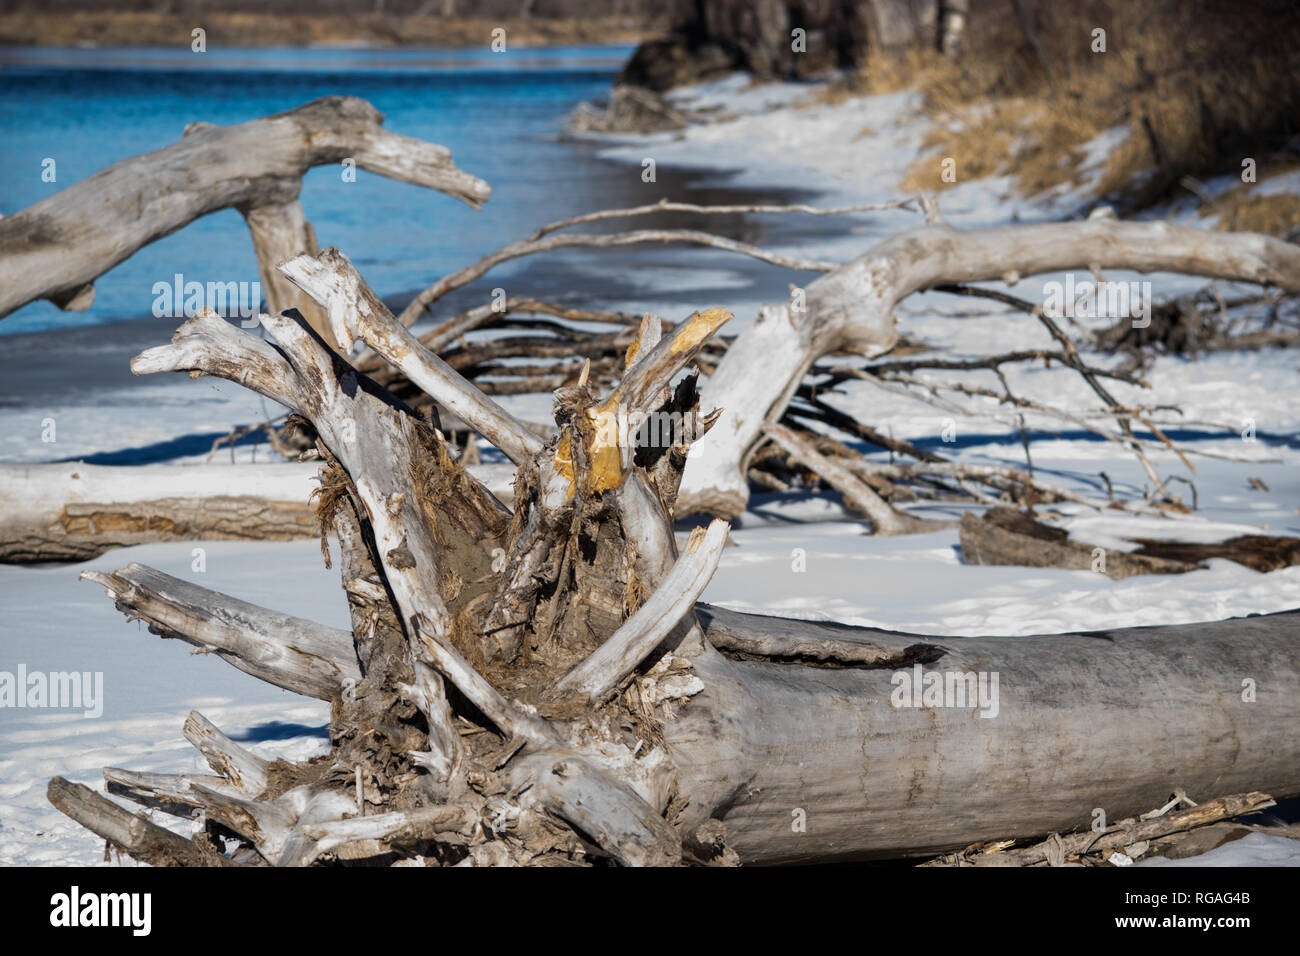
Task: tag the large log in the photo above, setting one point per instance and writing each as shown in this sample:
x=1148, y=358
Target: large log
x=71, y=511
x=1113, y=719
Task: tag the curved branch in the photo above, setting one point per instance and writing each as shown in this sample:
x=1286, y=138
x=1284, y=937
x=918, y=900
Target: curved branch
x=852, y=308
x=56, y=248
x=664, y=205
x=527, y=247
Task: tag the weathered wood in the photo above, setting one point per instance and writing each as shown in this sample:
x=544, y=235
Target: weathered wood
x=356, y=312
x=72, y=511
x=290, y=652
x=752, y=636
x=280, y=230
x=169, y=792
x=312, y=807
x=851, y=308
x=602, y=807
x=1260, y=552
x=1113, y=719
x=858, y=495
x=1082, y=685
x=737, y=737
x=1119, y=835
x=243, y=768
x=58, y=247
x=445, y=749
x=601, y=673
x=447, y=823
x=1005, y=536
x=136, y=835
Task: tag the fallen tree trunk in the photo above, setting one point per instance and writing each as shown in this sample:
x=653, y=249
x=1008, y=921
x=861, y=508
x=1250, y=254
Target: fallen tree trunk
x=1114, y=719
x=538, y=686
x=851, y=308
x=1004, y=536
x=57, y=248
x=72, y=511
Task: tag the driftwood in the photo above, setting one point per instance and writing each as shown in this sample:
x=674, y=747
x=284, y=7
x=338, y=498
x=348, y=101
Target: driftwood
x=74, y=511
x=858, y=494
x=1260, y=552
x=57, y=248
x=1203, y=322
x=537, y=688
x=848, y=309
x=851, y=308
x=132, y=833
x=1132, y=837
x=1007, y=537
x=298, y=655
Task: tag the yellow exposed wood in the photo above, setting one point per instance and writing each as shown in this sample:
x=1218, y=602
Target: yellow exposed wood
x=605, y=459
x=564, y=459
x=698, y=328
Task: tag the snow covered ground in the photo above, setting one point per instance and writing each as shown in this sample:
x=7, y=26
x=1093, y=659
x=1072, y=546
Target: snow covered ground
x=799, y=556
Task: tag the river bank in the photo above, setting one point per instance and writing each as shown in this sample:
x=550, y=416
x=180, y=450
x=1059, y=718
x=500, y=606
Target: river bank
x=134, y=29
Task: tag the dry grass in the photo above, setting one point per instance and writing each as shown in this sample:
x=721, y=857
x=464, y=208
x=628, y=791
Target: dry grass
x=113, y=28
x=1198, y=85
x=1243, y=211
x=1013, y=136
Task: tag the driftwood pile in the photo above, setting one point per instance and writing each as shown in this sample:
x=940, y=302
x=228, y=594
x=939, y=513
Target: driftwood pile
x=538, y=684
x=775, y=433
x=534, y=681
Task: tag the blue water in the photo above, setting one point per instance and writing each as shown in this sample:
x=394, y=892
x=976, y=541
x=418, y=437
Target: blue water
x=498, y=113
